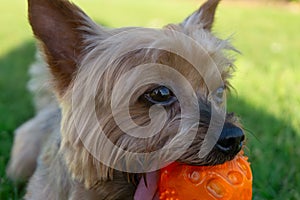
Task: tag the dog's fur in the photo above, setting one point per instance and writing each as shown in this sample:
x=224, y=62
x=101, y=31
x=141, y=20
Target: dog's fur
x=79, y=53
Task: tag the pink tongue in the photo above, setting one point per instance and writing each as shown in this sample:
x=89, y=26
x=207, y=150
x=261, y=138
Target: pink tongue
x=149, y=192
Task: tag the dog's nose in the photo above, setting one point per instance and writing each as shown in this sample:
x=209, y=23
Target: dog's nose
x=231, y=139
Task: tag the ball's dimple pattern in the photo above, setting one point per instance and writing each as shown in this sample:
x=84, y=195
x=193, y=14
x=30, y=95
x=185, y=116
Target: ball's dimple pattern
x=229, y=181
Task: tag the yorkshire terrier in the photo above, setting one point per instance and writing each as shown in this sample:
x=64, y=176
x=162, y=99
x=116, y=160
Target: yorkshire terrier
x=130, y=101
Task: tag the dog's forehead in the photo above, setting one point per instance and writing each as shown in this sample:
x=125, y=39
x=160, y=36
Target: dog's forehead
x=194, y=53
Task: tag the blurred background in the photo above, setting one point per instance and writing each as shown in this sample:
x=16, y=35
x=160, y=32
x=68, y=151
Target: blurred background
x=267, y=80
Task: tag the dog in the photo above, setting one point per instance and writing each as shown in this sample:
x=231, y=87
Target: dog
x=129, y=101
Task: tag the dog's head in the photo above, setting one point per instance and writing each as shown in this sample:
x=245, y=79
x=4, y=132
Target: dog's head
x=137, y=99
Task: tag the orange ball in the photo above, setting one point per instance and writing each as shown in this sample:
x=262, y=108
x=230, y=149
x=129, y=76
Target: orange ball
x=231, y=180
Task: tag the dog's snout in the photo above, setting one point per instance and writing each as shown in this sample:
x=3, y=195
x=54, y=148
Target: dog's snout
x=231, y=139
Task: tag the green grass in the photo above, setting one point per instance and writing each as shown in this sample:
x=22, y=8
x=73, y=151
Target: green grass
x=267, y=80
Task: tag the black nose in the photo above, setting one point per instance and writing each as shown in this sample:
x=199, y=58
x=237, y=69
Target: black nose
x=231, y=139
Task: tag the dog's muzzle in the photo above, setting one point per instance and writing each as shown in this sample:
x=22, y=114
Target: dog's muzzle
x=231, y=139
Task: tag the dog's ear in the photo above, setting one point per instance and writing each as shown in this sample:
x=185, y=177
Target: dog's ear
x=204, y=16
x=60, y=26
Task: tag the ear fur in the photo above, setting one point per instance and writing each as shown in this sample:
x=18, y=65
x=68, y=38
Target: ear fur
x=204, y=16
x=56, y=24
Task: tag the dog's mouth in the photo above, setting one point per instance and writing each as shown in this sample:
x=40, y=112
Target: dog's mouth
x=227, y=147
x=148, y=184
x=147, y=188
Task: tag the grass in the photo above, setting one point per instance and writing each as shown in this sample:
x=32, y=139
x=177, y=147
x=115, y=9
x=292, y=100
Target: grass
x=267, y=80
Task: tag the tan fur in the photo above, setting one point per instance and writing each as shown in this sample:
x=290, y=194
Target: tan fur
x=86, y=62
x=31, y=136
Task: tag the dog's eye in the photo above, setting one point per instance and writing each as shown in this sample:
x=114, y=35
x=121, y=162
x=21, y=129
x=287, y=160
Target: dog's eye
x=160, y=95
x=219, y=95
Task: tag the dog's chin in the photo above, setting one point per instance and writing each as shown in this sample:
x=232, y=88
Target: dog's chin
x=217, y=157
x=148, y=183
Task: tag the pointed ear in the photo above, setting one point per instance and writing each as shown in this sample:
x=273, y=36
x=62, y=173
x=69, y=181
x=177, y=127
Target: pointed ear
x=204, y=16
x=58, y=25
